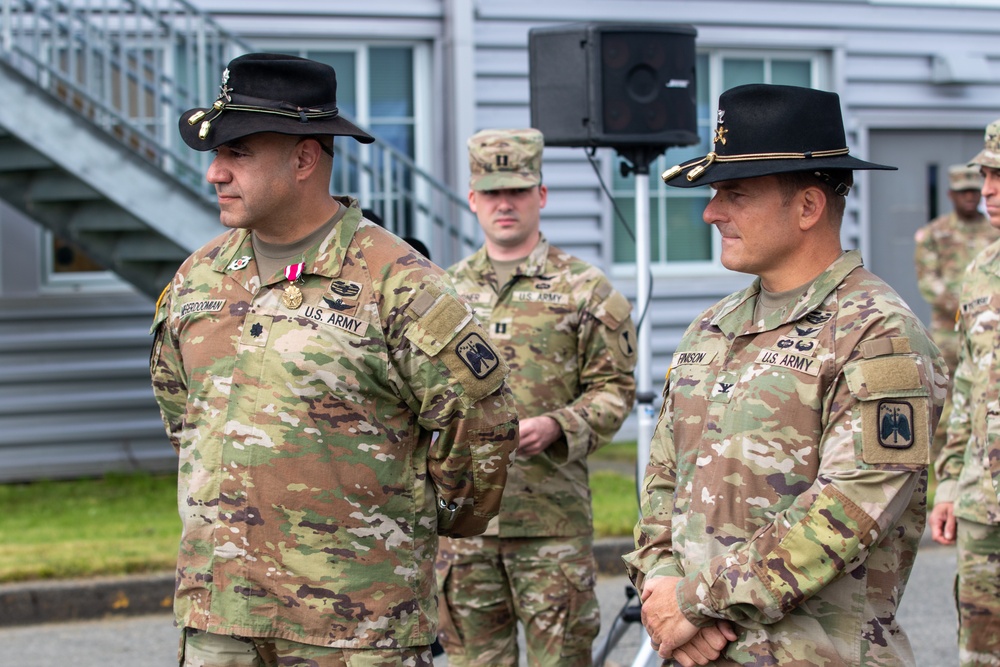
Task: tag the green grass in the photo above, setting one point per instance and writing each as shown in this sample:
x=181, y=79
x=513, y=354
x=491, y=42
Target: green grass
x=616, y=506
x=617, y=452
x=114, y=525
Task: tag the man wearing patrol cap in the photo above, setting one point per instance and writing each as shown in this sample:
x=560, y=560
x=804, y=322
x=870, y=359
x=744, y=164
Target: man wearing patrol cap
x=302, y=362
x=786, y=489
x=966, y=505
x=944, y=248
x=569, y=340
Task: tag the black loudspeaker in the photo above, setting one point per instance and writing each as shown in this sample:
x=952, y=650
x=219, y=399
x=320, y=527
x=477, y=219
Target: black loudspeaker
x=610, y=84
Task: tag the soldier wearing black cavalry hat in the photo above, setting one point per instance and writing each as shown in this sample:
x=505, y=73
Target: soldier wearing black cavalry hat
x=786, y=489
x=302, y=362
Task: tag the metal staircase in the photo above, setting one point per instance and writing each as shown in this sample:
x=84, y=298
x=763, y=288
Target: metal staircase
x=90, y=93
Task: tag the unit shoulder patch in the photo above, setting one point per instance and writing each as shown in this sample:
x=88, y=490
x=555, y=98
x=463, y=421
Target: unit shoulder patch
x=477, y=355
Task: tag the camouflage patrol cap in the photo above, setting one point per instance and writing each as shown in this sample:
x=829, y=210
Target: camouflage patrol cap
x=505, y=159
x=964, y=177
x=990, y=155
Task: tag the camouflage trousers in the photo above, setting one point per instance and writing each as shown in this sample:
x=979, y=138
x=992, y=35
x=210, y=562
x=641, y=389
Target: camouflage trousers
x=488, y=584
x=204, y=649
x=977, y=591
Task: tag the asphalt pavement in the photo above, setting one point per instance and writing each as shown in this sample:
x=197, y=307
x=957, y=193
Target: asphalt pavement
x=119, y=639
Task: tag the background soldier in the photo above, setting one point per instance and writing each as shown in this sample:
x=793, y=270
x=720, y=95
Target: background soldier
x=968, y=468
x=944, y=248
x=785, y=493
x=569, y=341
x=302, y=361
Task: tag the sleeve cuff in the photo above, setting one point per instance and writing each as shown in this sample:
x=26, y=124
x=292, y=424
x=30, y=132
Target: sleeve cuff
x=946, y=491
x=689, y=602
x=573, y=444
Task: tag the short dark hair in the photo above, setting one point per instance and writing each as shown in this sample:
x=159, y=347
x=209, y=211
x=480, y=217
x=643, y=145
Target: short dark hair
x=831, y=180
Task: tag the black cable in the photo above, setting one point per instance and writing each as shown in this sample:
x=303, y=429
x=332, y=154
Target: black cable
x=649, y=297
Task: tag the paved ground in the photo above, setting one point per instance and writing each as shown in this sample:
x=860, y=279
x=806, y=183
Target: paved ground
x=927, y=614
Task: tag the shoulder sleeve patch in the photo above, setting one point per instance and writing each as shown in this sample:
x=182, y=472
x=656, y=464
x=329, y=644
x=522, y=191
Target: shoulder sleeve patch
x=161, y=310
x=895, y=409
x=474, y=363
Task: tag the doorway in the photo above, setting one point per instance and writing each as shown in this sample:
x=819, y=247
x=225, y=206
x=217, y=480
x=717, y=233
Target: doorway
x=903, y=201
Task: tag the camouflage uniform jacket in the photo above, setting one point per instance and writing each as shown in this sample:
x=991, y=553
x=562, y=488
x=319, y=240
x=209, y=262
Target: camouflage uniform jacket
x=787, y=475
x=569, y=341
x=968, y=468
x=307, y=475
x=944, y=248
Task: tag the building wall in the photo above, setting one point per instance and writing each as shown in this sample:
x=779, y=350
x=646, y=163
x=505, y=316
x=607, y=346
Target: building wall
x=75, y=397
x=74, y=390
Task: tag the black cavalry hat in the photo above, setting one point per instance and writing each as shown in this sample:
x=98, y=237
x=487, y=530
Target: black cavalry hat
x=767, y=129
x=269, y=92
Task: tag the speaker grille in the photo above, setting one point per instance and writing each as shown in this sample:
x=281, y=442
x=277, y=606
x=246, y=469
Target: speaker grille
x=614, y=85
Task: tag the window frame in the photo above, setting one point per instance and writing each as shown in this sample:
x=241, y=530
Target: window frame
x=98, y=281
x=820, y=67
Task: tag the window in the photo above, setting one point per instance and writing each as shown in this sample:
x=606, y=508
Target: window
x=66, y=267
x=376, y=89
x=679, y=239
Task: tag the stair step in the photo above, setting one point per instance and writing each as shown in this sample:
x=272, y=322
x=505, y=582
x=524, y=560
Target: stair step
x=146, y=247
x=58, y=186
x=15, y=156
x=103, y=216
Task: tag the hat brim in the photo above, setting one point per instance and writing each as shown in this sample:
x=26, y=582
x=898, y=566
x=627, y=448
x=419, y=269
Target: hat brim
x=232, y=125
x=503, y=182
x=731, y=171
x=986, y=158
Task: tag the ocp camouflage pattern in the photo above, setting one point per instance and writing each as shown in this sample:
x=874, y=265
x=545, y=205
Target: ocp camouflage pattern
x=968, y=468
x=569, y=341
x=308, y=478
x=788, y=471
x=500, y=159
x=944, y=248
x=977, y=584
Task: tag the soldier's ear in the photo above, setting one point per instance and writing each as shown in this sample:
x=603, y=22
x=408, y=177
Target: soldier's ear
x=812, y=203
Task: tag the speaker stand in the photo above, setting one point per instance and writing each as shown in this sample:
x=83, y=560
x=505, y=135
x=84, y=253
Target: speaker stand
x=638, y=161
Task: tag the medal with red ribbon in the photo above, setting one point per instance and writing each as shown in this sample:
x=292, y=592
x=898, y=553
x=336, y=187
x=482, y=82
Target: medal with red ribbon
x=292, y=296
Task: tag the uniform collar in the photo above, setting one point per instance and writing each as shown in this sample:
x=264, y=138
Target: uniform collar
x=736, y=315
x=324, y=259
x=533, y=264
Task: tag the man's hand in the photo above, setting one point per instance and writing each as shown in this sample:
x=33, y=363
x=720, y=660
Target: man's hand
x=668, y=628
x=942, y=522
x=706, y=646
x=537, y=433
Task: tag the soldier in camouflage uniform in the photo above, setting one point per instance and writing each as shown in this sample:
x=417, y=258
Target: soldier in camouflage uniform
x=968, y=468
x=786, y=489
x=944, y=248
x=570, y=343
x=302, y=362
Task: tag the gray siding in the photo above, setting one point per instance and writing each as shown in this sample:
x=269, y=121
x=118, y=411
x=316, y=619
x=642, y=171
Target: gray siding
x=74, y=389
x=75, y=395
